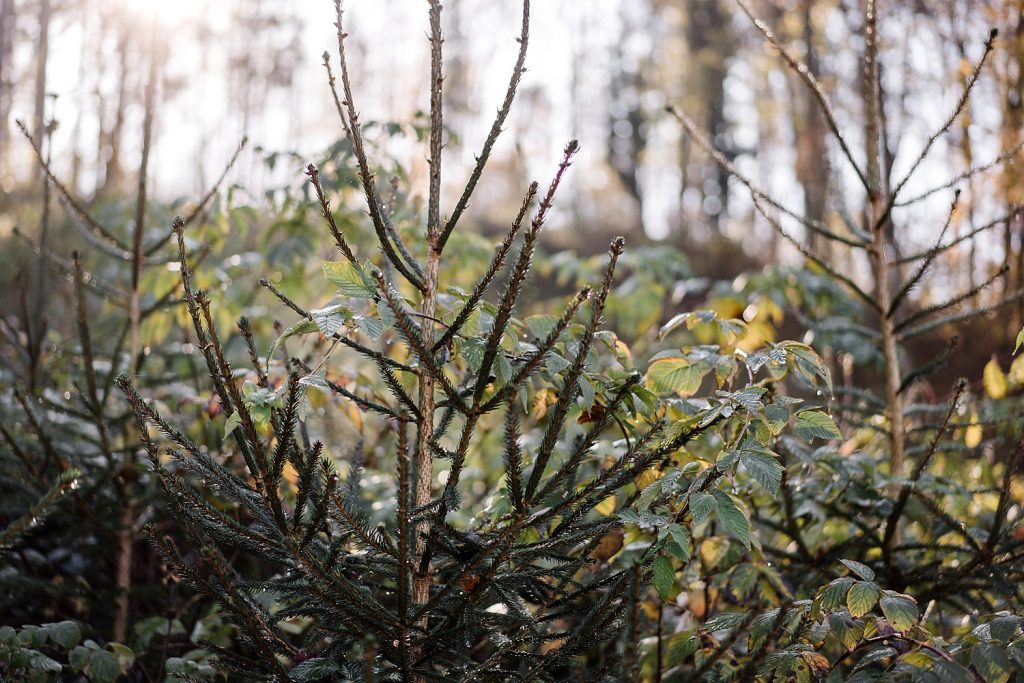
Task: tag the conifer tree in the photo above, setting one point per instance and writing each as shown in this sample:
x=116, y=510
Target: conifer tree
x=520, y=579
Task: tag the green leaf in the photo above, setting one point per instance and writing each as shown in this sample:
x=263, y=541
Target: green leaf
x=732, y=518
x=764, y=469
x=834, y=595
x=79, y=657
x=680, y=543
x=674, y=375
x=680, y=646
x=67, y=634
x=701, y=506
x=862, y=597
x=234, y=420
x=41, y=662
x=861, y=570
x=371, y=327
x=1004, y=628
x=1020, y=340
x=991, y=663
x=330, y=320
x=846, y=630
x=540, y=326
x=814, y=424
x=103, y=667
x=664, y=576
x=807, y=363
x=899, y=609
x=350, y=279
x=302, y=327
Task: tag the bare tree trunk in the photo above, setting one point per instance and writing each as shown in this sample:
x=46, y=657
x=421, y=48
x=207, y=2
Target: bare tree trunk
x=6, y=86
x=812, y=167
x=42, y=57
x=881, y=245
x=710, y=46
x=126, y=534
x=1013, y=125
x=111, y=145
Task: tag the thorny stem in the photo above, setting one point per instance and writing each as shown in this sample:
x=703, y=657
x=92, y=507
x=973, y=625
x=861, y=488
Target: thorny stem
x=127, y=528
x=422, y=573
x=880, y=249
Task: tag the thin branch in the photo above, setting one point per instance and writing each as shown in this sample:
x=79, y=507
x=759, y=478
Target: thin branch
x=960, y=105
x=353, y=130
x=812, y=83
x=496, y=129
x=818, y=227
x=928, y=260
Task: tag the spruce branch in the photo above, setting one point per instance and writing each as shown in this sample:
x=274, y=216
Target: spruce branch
x=520, y=270
x=928, y=260
x=693, y=132
x=816, y=258
x=497, y=261
x=496, y=128
x=325, y=210
x=376, y=356
x=961, y=104
x=201, y=207
x=905, y=330
x=893, y=519
x=805, y=74
x=567, y=395
x=971, y=234
x=353, y=130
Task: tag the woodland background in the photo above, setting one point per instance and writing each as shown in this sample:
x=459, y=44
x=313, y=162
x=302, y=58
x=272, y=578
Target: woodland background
x=137, y=112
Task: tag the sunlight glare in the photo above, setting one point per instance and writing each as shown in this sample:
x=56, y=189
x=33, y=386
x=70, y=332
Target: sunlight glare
x=164, y=13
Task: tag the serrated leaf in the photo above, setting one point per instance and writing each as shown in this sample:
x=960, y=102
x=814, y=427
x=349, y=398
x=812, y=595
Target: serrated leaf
x=41, y=662
x=991, y=662
x=846, y=630
x=663, y=576
x=674, y=375
x=540, y=326
x=371, y=327
x=834, y=595
x=777, y=416
x=814, y=424
x=701, y=506
x=899, y=609
x=473, y=353
x=680, y=646
x=681, y=539
x=807, y=363
x=764, y=469
x=861, y=570
x=330, y=320
x=732, y=518
x=862, y=597
x=103, y=667
x=350, y=279
x=67, y=634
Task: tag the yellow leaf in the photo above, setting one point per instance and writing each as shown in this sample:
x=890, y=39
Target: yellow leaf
x=646, y=478
x=1016, y=373
x=994, y=380
x=974, y=433
x=606, y=506
x=290, y=475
